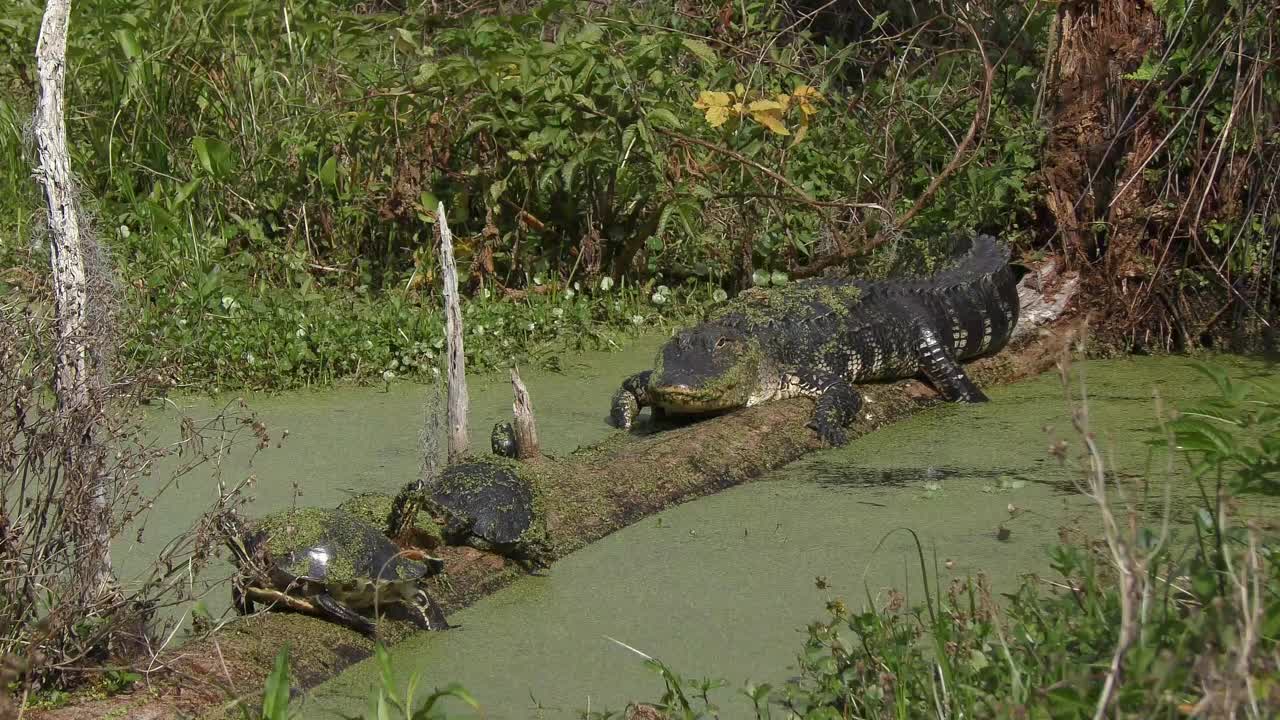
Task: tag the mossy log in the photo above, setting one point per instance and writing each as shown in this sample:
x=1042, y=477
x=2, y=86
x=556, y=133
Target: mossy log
x=588, y=494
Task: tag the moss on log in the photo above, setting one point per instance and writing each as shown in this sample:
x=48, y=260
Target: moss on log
x=589, y=494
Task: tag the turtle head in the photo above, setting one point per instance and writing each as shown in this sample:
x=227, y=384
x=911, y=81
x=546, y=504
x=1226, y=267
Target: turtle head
x=425, y=613
x=503, y=440
x=706, y=368
x=405, y=508
x=233, y=536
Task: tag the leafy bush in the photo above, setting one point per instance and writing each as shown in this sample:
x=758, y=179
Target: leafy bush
x=287, y=160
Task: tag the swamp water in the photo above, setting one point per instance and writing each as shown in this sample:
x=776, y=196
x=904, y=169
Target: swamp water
x=722, y=586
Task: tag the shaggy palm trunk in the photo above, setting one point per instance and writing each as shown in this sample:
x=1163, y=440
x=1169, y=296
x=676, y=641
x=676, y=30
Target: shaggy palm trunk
x=87, y=497
x=1097, y=144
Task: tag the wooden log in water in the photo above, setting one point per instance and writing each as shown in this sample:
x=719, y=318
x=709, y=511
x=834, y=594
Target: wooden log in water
x=590, y=493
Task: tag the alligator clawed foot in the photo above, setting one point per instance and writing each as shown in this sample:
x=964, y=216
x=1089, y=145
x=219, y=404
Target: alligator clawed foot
x=830, y=433
x=624, y=410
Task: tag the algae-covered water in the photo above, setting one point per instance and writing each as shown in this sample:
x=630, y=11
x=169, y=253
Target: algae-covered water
x=354, y=439
x=723, y=586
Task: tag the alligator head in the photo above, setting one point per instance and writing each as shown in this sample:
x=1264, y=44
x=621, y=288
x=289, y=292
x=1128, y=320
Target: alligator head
x=706, y=368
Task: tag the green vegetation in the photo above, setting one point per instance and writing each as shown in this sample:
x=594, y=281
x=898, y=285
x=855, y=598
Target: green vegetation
x=265, y=175
x=386, y=702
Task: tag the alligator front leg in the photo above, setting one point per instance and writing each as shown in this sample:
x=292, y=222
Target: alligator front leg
x=837, y=408
x=630, y=398
x=945, y=373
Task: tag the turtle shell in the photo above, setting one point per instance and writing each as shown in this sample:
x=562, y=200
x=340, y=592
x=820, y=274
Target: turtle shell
x=488, y=499
x=312, y=550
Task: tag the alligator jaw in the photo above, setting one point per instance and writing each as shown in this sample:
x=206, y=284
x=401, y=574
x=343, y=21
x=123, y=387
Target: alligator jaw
x=684, y=399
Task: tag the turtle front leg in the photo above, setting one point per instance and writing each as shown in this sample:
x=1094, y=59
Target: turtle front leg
x=630, y=398
x=837, y=407
x=344, y=615
x=239, y=600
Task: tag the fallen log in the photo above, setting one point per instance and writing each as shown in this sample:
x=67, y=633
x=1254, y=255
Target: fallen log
x=589, y=494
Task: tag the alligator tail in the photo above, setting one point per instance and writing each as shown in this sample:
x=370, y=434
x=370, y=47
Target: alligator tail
x=985, y=259
x=982, y=290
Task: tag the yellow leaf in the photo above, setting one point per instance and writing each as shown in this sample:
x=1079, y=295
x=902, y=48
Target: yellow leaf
x=806, y=92
x=804, y=97
x=784, y=100
x=771, y=119
x=740, y=89
x=717, y=116
x=709, y=99
x=765, y=105
x=739, y=108
x=800, y=133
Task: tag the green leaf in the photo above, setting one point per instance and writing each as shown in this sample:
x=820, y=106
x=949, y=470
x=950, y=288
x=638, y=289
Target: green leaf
x=129, y=43
x=213, y=154
x=664, y=118
x=186, y=191
x=329, y=173
x=589, y=33
x=384, y=669
x=406, y=41
x=701, y=49
x=275, y=701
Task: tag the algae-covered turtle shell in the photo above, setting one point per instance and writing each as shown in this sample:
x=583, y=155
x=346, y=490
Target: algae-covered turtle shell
x=490, y=500
x=332, y=564
x=379, y=510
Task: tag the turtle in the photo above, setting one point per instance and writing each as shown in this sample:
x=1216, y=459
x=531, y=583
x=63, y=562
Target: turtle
x=502, y=440
x=330, y=564
x=485, y=502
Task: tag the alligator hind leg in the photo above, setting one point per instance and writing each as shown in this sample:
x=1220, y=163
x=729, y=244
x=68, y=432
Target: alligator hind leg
x=630, y=398
x=945, y=373
x=341, y=613
x=838, y=406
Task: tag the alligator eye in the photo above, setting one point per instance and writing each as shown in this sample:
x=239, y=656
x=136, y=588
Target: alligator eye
x=722, y=342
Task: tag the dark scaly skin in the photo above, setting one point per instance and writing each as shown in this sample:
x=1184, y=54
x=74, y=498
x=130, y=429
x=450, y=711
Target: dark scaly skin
x=817, y=338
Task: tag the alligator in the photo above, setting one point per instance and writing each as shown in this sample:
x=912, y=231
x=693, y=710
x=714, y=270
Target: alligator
x=817, y=338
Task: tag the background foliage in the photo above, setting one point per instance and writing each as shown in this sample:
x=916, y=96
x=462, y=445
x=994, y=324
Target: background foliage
x=262, y=171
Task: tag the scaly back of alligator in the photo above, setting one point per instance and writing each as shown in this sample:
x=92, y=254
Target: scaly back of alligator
x=819, y=338
x=972, y=304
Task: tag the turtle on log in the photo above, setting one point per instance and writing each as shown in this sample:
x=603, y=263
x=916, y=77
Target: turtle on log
x=330, y=564
x=486, y=503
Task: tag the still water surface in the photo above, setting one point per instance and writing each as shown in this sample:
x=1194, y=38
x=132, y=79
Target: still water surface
x=723, y=586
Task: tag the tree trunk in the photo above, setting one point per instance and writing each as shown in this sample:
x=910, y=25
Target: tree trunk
x=526, y=429
x=77, y=379
x=1095, y=145
x=459, y=400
